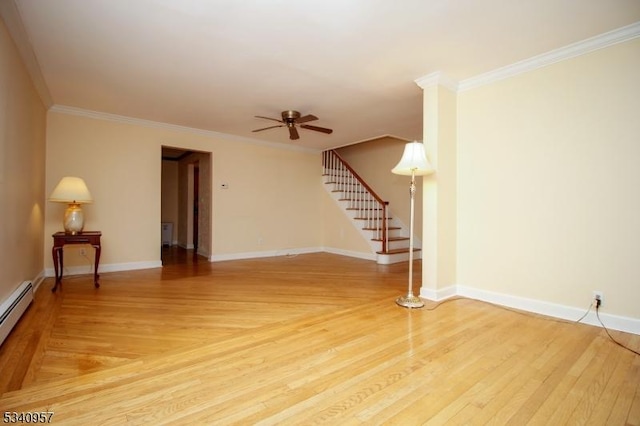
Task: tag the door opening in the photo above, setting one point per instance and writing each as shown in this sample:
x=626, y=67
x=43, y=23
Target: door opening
x=186, y=202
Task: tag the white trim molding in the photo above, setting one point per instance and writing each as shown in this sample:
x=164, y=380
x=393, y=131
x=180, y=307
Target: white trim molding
x=350, y=253
x=569, y=313
x=38, y=280
x=575, y=49
x=264, y=253
x=582, y=47
x=435, y=79
x=110, y=267
x=63, y=109
x=12, y=18
x=290, y=252
x=438, y=295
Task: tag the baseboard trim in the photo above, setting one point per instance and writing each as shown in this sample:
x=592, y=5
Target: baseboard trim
x=265, y=253
x=569, y=313
x=290, y=252
x=349, y=253
x=109, y=267
x=38, y=280
x=438, y=295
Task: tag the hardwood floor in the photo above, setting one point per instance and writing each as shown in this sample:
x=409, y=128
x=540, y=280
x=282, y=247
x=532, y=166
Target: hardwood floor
x=303, y=340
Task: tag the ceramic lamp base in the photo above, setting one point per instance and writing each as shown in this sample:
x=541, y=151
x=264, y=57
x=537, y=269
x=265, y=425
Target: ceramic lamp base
x=73, y=219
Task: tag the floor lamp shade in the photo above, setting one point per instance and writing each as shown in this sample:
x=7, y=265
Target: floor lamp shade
x=74, y=192
x=413, y=163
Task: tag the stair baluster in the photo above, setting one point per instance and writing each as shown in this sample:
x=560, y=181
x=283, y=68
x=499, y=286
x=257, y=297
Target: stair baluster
x=369, y=207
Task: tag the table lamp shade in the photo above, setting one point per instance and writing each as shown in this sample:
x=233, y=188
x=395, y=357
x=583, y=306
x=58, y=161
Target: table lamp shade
x=73, y=191
x=414, y=161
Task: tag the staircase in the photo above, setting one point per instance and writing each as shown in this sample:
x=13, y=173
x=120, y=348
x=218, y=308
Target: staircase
x=370, y=214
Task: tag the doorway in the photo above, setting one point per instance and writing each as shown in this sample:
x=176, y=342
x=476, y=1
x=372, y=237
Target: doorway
x=186, y=204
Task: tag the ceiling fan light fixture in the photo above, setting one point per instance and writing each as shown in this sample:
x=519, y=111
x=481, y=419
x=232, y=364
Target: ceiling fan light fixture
x=290, y=119
x=290, y=115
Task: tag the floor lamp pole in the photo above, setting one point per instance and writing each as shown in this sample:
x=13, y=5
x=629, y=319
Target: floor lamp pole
x=411, y=301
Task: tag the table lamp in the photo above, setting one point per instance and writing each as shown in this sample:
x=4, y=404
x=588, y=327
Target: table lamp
x=74, y=192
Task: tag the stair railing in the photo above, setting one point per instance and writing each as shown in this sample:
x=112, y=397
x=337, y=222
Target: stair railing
x=369, y=206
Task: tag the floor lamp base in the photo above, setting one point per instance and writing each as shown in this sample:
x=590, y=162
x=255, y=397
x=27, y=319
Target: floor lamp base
x=410, y=301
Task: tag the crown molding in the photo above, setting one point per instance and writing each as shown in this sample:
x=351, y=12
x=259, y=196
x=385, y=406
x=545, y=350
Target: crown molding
x=601, y=41
x=374, y=138
x=63, y=109
x=437, y=79
x=12, y=18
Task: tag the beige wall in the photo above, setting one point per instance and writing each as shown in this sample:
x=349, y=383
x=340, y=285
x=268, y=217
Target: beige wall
x=439, y=261
x=338, y=231
x=22, y=164
x=373, y=161
x=548, y=191
x=272, y=201
x=271, y=204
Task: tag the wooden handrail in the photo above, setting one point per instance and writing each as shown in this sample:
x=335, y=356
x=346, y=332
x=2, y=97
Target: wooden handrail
x=369, y=190
x=357, y=176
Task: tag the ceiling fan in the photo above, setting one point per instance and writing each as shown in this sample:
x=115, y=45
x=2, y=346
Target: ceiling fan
x=291, y=119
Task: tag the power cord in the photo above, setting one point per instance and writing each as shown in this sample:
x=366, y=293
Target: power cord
x=585, y=314
x=596, y=304
x=609, y=334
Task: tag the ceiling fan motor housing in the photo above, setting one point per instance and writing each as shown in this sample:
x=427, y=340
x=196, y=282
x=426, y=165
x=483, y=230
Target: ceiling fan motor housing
x=290, y=117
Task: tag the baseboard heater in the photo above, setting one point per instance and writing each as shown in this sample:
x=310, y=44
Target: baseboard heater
x=12, y=309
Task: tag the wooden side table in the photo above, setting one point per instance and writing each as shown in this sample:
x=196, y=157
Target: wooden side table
x=60, y=239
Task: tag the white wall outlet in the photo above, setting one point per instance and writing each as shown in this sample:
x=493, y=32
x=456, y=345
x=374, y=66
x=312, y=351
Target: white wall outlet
x=83, y=251
x=597, y=294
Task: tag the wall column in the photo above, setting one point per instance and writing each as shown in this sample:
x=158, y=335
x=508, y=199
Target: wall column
x=439, y=212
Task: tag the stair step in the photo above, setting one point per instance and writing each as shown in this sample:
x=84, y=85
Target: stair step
x=354, y=197
x=397, y=251
x=391, y=239
x=337, y=172
x=391, y=228
x=331, y=182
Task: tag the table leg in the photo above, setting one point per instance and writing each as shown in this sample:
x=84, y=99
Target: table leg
x=56, y=252
x=95, y=270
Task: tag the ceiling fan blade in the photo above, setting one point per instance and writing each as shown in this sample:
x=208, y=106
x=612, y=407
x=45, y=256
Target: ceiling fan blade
x=267, y=128
x=306, y=119
x=293, y=133
x=269, y=118
x=316, y=128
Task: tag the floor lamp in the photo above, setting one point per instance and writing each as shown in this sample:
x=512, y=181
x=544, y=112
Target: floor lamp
x=413, y=163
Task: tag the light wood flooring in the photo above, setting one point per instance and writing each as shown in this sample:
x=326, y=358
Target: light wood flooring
x=310, y=339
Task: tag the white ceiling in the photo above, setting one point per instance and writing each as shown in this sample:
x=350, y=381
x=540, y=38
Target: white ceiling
x=215, y=64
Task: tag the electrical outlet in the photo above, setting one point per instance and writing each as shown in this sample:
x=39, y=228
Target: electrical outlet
x=598, y=295
x=83, y=251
